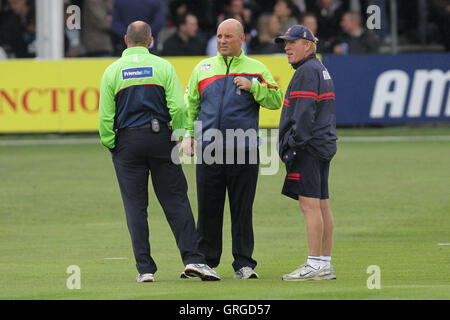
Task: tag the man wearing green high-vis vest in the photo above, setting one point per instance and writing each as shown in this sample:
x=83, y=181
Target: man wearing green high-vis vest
x=224, y=96
x=140, y=102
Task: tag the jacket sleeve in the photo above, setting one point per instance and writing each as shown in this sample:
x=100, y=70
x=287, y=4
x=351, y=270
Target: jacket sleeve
x=175, y=101
x=267, y=93
x=107, y=111
x=303, y=99
x=192, y=98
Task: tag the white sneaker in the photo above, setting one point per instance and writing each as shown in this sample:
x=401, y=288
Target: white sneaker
x=145, y=277
x=331, y=275
x=183, y=275
x=202, y=271
x=306, y=272
x=246, y=273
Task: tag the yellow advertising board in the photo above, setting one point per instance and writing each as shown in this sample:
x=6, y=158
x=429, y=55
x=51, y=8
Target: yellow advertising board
x=62, y=96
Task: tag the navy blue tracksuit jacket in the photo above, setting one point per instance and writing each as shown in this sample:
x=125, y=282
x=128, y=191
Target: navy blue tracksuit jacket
x=308, y=118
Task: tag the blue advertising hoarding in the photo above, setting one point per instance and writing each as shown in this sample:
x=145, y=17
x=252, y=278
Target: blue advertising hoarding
x=390, y=89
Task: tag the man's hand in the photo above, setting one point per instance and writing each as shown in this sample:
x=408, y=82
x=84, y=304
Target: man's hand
x=188, y=146
x=288, y=156
x=242, y=83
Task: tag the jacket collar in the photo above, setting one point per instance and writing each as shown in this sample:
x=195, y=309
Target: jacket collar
x=298, y=64
x=135, y=50
x=234, y=58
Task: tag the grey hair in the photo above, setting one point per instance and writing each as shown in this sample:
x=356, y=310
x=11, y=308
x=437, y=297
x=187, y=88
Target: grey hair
x=138, y=32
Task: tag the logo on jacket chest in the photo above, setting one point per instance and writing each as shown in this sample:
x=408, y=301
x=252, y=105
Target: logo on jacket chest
x=206, y=66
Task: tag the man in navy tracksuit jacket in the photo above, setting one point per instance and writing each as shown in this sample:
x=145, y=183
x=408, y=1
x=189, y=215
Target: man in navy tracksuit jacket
x=307, y=143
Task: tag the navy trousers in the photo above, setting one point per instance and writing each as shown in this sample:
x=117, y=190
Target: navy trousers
x=139, y=152
x=212, y=183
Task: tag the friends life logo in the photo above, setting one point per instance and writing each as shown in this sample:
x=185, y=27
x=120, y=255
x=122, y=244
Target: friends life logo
x=136, y=73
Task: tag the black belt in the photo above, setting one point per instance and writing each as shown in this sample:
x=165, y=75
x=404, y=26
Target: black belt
x=146, y=126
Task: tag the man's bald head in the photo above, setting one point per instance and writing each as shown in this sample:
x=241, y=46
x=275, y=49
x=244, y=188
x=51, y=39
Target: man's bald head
x=232, y=23
x=230, y=36
x=139, y=33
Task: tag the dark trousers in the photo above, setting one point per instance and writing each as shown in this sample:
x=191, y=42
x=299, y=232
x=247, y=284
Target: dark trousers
x=212, y=183
x=137, y=153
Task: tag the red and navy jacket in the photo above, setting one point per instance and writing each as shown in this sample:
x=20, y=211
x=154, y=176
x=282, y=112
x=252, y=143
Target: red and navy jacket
x=215, y=102
x=308, y=118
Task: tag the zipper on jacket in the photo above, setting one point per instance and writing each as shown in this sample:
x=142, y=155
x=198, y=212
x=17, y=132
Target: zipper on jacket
x=223, y=93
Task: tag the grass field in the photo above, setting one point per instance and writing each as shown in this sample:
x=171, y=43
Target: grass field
x=60, y=205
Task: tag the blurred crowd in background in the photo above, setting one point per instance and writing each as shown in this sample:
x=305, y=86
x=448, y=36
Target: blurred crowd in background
x=187, y=27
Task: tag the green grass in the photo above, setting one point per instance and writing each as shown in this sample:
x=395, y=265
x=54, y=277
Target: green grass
x=413, y=130
x=60, y=205
x=416, y=130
